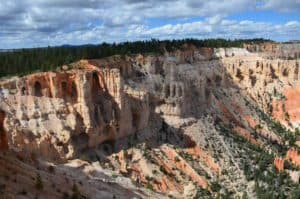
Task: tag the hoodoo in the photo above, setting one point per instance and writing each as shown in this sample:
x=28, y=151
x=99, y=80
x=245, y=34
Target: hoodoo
x=204, y=122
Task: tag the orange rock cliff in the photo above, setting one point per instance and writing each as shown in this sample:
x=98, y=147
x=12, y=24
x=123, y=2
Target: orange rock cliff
x=175, y=124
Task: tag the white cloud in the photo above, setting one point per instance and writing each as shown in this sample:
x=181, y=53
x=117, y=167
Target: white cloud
x=282, y=5
x=224, y=28
x=53, y=22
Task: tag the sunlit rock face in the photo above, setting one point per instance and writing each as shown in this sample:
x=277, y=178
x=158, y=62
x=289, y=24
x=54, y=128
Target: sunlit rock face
x=275, y=50
x=63, y=112
x=59, y=113
x=158, y=118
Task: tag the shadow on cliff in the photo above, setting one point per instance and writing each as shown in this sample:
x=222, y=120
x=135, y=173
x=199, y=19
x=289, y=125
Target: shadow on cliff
x=214, y=95
x=34, y=178
x=153, y=137
x=157, y=132
x=163, y=133
x=233, y=113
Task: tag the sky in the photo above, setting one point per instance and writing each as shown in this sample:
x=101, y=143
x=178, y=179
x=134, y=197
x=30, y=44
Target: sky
x=37, y=23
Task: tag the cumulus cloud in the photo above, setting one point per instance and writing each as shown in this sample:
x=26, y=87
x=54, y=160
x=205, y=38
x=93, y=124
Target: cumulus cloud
x=30, y=23
x=224, y=28
x=282, y=5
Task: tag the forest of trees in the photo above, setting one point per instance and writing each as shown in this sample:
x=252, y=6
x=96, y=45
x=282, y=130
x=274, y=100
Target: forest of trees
x=24, y=61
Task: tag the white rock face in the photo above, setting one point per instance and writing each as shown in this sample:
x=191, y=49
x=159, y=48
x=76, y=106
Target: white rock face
x=190, y=191
x=60, y=114
x=75, y=110
x=153, y=119
x=295, y=176
x=230, y=52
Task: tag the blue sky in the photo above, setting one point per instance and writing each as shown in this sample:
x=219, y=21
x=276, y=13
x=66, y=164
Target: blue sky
x=35, y=23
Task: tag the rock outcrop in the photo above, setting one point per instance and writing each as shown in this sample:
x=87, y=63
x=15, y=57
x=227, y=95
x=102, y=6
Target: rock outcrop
x=69, y=111
x=275, y=50
x=185, y=120
x=293, y=156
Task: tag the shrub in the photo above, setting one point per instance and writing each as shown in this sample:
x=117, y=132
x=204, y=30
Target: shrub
x=163, y=170
x=177, y=159
x=148, y=178
x=150, y=186
x=215, y=186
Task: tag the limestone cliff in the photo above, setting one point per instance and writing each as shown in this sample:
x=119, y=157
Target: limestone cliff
x=193, y=119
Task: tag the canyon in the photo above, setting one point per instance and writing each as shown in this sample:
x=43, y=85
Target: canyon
x=195, y=122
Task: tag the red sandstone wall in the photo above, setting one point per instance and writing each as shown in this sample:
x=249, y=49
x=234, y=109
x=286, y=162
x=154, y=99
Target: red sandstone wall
x=279, y=164
x=290, y=105
x=293, y=156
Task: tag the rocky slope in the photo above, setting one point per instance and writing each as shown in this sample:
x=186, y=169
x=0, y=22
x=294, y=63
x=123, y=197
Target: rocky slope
x=192, y=123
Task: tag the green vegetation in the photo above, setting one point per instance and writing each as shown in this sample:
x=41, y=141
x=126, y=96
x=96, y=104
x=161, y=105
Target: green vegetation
x=186, y=156
x=25, y=61
x=215, y=186
x=150, y=186
x=177, y=159
x=149, y=178
x=114, y=176
x=258, y=167
x=163, y=170
x=203, y=193
x=275, y=185
x=289, y=166
x=287, y=135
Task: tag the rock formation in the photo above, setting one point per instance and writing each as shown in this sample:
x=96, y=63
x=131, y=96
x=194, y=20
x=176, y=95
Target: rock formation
x=169, y=123
x=275, y=50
